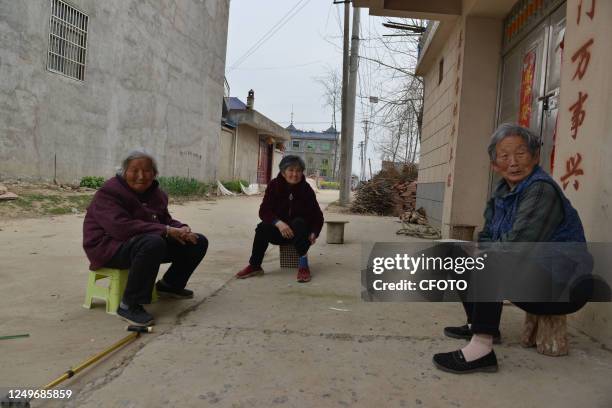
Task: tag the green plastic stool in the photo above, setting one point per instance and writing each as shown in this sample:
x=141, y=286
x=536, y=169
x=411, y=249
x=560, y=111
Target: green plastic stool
x=111, y=294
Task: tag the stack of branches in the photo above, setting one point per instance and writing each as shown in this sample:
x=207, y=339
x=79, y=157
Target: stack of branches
x=390, y=192
x=374, y=197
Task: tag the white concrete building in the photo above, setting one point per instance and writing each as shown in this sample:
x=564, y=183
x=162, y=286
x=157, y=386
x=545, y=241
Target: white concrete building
x=542, y=63
x=84, y=81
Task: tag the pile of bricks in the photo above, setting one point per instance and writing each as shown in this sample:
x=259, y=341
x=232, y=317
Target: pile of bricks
x=404, y=197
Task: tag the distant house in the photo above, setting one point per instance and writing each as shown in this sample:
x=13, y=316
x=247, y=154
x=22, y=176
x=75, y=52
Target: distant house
x=317, y=149
x=250, y=145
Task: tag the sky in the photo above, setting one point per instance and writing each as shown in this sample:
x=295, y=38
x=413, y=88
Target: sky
x=283, y=70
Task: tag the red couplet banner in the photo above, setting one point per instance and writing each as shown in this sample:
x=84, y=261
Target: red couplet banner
x=527, y=88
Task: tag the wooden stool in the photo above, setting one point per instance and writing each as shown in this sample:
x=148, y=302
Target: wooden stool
x=547, y=333
x=288, y=256
x=113, y=292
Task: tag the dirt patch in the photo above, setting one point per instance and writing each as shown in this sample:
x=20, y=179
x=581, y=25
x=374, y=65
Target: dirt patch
x=46, y=199
x=41, y=199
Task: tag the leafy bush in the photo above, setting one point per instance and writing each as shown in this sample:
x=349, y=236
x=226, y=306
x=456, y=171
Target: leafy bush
x=92, y=182
x=329, y=185
x=233, y=185
x=183, y=186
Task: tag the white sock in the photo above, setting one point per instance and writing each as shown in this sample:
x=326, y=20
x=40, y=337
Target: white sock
x=479, y=346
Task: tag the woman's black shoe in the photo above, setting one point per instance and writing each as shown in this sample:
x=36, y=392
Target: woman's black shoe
x=136, y=315
x=464, y=332
x=454, y=362
x=167, y=291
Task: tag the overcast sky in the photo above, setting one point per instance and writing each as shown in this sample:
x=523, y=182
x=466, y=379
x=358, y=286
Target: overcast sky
x=283, y=69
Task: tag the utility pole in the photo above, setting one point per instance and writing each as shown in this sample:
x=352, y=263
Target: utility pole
x=365, y=147
x=361, y=162
x=349, y=90
x=343, y=125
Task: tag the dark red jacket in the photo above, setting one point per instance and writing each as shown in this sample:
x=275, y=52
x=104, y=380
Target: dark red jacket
x=284, y=201
x=117, y=213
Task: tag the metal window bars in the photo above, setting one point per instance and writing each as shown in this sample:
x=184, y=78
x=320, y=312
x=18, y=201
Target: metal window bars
x=67, y=40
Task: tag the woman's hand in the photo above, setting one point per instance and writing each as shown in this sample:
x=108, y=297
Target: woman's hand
x=313, y=238
x=182, y=235
x=176, y=234
x=284, y=229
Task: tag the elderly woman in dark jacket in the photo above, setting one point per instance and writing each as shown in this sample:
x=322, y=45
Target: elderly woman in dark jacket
x=290, y=214
x=526, y=206
x=127, y=225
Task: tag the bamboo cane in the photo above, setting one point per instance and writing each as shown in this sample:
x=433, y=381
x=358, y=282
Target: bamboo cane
x=70, y=373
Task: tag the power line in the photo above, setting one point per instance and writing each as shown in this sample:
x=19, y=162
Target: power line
x=270, y=33
x=278, y=67
x=264, y=38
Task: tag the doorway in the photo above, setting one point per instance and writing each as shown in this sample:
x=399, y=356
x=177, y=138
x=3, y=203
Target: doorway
x=264, y=164
x=530, y=81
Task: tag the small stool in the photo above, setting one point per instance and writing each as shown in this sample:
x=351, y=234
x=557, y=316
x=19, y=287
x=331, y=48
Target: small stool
x=335, y=232
x=111, y=294
x=288, y=256
x=547, y=333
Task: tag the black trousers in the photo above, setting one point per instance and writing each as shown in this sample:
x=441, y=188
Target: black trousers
x=144, y=253
x=485, y=316
x=268, y=234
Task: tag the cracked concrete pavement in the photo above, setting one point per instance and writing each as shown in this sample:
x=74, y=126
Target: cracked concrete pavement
x=265, y=341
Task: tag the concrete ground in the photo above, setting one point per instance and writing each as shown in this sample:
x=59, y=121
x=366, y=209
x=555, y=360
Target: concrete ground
x=262, y=342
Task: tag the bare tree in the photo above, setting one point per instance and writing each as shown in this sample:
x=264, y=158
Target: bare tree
x=331, y=81
x=391, y=61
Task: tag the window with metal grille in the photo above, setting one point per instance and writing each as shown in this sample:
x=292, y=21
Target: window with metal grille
x=67, y=40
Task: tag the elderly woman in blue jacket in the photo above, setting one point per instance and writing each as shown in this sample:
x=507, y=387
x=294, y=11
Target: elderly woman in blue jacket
x=527, y=205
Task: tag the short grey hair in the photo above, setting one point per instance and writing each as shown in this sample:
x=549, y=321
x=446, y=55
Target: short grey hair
x=133, y=155
x=511, y=129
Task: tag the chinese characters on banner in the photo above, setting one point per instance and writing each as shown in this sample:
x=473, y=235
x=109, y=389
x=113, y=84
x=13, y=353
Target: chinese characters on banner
x=581, y=59
x=527, y=88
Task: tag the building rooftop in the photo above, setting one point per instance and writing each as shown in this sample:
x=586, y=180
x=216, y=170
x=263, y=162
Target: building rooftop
x=235, y=113
x=329, y=134
x=234, y=103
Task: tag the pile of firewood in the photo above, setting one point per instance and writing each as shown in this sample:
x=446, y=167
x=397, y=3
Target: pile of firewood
x=374, y=197
x=390, y=192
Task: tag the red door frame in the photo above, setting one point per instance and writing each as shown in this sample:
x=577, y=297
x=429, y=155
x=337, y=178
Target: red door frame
x=264, y=162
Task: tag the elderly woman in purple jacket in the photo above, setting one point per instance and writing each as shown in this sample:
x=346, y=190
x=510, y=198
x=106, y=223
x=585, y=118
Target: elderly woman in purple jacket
x=127, y=225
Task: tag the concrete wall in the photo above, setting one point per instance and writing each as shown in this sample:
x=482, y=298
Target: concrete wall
x=248, y=154
x=276, y=159
x=154, y=79
x=225, y=170
x=437, y=126
x=468, y=179
x=592, y=194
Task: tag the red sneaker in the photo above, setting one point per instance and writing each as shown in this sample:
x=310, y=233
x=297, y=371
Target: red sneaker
x=303, y=275
x=249, y=272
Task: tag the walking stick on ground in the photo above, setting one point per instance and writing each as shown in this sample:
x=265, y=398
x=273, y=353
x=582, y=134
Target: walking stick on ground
x=135, y=333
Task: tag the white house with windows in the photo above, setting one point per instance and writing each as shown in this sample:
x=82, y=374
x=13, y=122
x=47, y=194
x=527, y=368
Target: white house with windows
x=82, y=82
x=317, y=149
